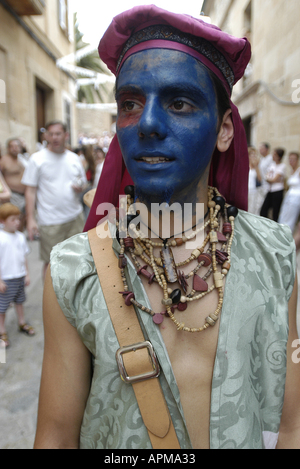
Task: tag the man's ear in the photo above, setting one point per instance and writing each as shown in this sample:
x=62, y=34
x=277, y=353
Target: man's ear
x=226, y=132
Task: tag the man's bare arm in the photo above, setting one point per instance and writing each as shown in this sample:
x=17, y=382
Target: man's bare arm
x=30, y=197
x=65, y=380
x=5, y=195
x=289, y=433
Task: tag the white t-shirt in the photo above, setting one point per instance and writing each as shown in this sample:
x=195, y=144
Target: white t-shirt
x=53, y=175
x=252, y=181
x=264, y=166
x=294, y=183
x=13, y=252
x=275, y=170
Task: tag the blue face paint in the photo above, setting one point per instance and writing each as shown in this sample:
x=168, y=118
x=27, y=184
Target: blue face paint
x=167, y=124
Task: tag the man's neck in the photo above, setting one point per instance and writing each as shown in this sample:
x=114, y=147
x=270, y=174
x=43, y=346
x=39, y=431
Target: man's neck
x=61, y=151
x=161, y=220
x=13, y=157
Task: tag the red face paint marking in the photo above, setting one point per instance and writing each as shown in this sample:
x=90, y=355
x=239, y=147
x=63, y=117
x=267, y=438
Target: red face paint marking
x=130, y=108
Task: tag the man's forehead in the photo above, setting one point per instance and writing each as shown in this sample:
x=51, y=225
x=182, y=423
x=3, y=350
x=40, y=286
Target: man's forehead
x=164, y=68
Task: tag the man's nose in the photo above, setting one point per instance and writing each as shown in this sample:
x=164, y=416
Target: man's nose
x=153, y=121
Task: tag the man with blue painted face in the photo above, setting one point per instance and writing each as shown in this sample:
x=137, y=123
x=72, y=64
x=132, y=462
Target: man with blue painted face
x=149, y=343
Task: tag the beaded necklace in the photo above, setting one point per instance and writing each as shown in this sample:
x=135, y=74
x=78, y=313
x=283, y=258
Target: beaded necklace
x=165, y=271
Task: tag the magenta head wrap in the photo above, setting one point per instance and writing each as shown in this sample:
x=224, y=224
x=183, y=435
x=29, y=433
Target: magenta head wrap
x=148, y=27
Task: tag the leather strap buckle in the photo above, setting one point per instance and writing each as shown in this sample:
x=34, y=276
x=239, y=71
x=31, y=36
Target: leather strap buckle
x=143, y=376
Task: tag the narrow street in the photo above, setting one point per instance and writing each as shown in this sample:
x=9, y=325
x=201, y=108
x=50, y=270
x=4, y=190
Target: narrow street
x=20, y=376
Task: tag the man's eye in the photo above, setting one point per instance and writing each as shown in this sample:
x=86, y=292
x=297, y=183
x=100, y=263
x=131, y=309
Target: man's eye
x=178, y=105
x=128, y=106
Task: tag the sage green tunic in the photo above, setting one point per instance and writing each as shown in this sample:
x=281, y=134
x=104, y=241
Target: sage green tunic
x=250, y=366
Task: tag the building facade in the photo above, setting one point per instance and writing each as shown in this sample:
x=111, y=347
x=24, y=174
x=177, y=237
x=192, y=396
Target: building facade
x=268, y=97
x=33, y=35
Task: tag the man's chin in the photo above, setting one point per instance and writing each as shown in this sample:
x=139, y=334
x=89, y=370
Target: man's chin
x=153, y=196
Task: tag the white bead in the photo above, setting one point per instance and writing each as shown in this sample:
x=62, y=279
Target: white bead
x=218, y=280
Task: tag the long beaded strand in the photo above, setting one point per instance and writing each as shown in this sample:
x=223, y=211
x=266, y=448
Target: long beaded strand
x=173, y=298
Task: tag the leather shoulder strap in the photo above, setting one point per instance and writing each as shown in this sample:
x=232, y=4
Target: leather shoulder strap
x=148, y=392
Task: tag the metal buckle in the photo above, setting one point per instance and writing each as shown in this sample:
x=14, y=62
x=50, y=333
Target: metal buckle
x=143, y=376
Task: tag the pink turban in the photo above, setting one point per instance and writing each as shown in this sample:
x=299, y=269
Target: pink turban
x=148, y=27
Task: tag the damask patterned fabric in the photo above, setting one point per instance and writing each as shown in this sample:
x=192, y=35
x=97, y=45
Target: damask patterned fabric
x=250, y=367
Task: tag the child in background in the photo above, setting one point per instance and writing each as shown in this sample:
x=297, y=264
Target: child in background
x=14, y=274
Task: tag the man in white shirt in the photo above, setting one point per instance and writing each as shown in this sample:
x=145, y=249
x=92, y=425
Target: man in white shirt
x=54, y=179
x=265, y=162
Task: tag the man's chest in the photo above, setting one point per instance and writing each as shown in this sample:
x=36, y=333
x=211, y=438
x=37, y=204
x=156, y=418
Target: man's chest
x=192, y=357
x=12, y=168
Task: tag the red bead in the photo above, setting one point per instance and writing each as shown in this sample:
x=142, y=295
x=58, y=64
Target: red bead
x=199, y=284
x=128, y=243
x=122, y=261
x=129, y=297
x=221, y=256
x=206, y=258
x=221, y=237
x=182, y=306
x=227, y=229
x=157, y=318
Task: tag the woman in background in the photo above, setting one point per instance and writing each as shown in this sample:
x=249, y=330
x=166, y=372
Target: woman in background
x=275, y=178
x=290, y=209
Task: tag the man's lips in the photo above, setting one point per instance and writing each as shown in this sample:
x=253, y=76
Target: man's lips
x=154, y=158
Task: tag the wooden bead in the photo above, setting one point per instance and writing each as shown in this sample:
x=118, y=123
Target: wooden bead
x=227, y=229
x=196, y=253
x=213, y=237
x=199, y=284
x=219, y=201
x=122, y=261
x=182, y=307
x=232, y=212
x=175, y=296
x=226, y=265
x=214, y=317
x=167, y=302
x=218, y=280
x=128, y=299
x=157, y=318
x=210, y=321
x=206, y=258
x=179, y=241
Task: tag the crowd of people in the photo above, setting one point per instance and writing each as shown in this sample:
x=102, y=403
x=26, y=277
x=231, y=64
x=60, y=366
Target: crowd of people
x=42, y=194
x=274, y=188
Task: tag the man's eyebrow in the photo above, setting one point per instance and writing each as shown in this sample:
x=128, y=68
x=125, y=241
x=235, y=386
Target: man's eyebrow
x=181, y=89
x=184, y=89
x=130, y=89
